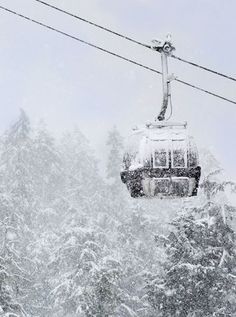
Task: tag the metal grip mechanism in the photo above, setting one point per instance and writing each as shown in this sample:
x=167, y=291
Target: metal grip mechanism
x=165, y=48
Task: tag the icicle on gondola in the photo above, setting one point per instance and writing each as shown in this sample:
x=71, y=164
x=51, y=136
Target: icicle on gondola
x=161, y=159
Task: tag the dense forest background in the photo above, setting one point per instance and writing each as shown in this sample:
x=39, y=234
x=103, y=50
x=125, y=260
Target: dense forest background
x=75, y=244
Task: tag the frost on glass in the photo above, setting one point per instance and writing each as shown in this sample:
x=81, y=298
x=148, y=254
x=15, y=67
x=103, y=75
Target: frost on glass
x=160, y=157
x=131, y=158
x=192, y=154
x=178, y=153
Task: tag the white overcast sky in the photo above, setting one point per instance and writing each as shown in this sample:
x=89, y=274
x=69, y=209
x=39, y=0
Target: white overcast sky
x=67, y=83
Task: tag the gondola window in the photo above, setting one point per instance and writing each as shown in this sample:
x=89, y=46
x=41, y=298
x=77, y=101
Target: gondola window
x=160, y=157
x=179, y=153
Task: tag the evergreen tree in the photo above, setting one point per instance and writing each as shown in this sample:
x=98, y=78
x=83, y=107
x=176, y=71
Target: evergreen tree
x=139, y=258
x=11, y=274
x=103, y=296
x=48, y=169
x=72, y=266
x=18, y=206
x=199, y=277
x=17, y=165
x=117, y=195
x=115, y=143
x=82, y=179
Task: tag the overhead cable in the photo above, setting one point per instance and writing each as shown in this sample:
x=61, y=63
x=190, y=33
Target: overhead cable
x=94, y=24
x=80, y=40
x=133, y=40
x=111, y=53
x=203, y=67
x=204, y=90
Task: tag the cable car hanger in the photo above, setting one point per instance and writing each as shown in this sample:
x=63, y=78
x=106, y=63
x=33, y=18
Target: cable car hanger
x=165, y=48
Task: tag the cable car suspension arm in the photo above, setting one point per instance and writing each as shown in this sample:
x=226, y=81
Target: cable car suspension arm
x=165, y=48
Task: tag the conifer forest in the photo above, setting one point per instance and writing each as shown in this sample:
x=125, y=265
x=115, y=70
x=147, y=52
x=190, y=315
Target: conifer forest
x=75, y=244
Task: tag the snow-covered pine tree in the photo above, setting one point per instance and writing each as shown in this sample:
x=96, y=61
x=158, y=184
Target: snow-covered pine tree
x=102, y=297
x=199, y=275
x=8, y=305
x=117, y=195
x=80, y=166
x=39, y=302
x=10, y=272
x=17, y=166
x=18, y=196
x=139, y=257
x=48, y=170
x=115, y=144
x=72, y=266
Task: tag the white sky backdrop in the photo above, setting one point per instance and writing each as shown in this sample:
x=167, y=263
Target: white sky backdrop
x=67, y=83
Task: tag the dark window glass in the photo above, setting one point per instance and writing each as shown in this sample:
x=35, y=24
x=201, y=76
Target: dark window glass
x=162, y=186
x=180, y=187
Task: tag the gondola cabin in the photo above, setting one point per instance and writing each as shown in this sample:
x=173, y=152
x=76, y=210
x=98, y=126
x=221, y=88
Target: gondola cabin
x=161, y=160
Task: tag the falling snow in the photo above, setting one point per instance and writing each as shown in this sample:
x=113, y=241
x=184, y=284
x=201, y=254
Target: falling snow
x=75, y=244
